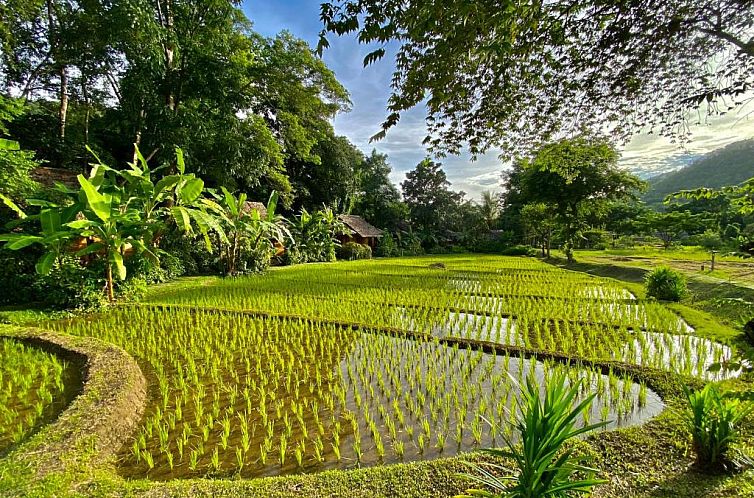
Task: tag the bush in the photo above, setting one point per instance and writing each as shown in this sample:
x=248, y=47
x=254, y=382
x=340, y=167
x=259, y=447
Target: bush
x=192, y=253
x=708, y=240
x=518, y=251
x=386, y=246
x=255, y=257
x=665, y=284
x=169, y=268
x=352, y=251
x=712, y=419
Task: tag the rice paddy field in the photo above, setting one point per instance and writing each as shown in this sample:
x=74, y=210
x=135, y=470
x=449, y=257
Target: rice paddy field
x=336, y=366
x=34, y=387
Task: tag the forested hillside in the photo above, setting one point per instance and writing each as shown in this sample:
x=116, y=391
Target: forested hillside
x=729, y=165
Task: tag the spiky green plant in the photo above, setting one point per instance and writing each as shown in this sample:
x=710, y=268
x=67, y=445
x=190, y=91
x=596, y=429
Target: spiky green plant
x=546, y=467
x=712, y=419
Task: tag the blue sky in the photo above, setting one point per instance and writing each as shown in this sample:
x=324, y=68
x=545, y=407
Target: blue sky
x=370, y=87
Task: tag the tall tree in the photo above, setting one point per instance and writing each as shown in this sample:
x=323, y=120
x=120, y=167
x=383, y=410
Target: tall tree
x=331, y=178
x=576, y=176
x=516, y=75
x=433, y=207
x=379, y=200
x=489, y=209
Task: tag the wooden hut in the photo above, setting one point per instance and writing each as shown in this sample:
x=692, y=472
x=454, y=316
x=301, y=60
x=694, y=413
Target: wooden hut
x=363, y=231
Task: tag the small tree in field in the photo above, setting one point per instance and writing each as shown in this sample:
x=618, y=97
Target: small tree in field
x=576, y=176
x=540, y=223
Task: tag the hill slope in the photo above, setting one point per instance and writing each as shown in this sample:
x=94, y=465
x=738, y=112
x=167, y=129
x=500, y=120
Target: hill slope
x=729, y=165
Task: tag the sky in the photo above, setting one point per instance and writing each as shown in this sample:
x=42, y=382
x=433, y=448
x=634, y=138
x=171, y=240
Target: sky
x=645, y=155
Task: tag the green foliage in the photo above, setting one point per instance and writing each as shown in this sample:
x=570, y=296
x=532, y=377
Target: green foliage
x=314, y=236
x=513, y=76
x=433, y=207
x=351, y=251
x=577, y=177
x=670, y=226
x=117, y=212
x=713, y=421
x=379, y=201
x=540, y=223
x=68, y=285
x=710, y=239
x=386, y=246
x=517, y=251
x=248, y=245
x=665, y=284
x=331, y=177
x=16, y=166
x=546, y=467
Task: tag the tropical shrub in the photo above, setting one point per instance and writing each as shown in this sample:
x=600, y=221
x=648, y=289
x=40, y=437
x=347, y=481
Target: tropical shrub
x=713, y=419
x=665, y=284
x=116, y=213
x=386, y=247
x=248, y=244
x=314, y=236
x=69, y=284
x=353, y=250
x=169, y=267
x=545, y=466
x=518, y=251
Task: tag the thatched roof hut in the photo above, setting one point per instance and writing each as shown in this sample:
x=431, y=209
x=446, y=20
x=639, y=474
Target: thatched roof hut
x=363, y=232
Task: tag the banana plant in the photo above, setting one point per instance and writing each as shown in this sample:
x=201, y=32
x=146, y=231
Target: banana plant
x=118, y=212
x=248, y=223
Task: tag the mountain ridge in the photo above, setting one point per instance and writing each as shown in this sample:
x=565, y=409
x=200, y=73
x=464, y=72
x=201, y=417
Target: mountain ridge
x=729, y=165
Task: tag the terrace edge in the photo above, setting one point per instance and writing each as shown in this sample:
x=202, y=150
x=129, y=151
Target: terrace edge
x=89, y=432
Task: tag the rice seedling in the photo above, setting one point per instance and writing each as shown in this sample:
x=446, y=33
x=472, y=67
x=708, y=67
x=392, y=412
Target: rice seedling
x=32, y=389
x=271, y=365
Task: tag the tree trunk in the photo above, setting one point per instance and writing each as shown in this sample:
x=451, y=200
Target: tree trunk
x=137, y=138
x=110, y=291
x=85, y=94
x=63, y=114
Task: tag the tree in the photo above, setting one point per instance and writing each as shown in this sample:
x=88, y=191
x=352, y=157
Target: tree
x=247, y=227
x=517, y=75
x=15, y=164
x=166, y=73
x=331, y=178
x=540, y=223
x=379, y=200
x=433, y=207
x=670, y=226
x=576, y=176
x=490, y=209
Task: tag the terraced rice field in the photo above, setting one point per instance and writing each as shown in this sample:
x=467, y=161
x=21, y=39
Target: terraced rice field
x=340, y=365
x=34, y=387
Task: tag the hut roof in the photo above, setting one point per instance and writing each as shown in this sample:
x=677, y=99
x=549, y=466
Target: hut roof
x=249, y=206
x=360, y=225
x=49, y=176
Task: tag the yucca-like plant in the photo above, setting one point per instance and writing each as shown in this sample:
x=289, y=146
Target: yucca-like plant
x=712, y=419
x=545, y=467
